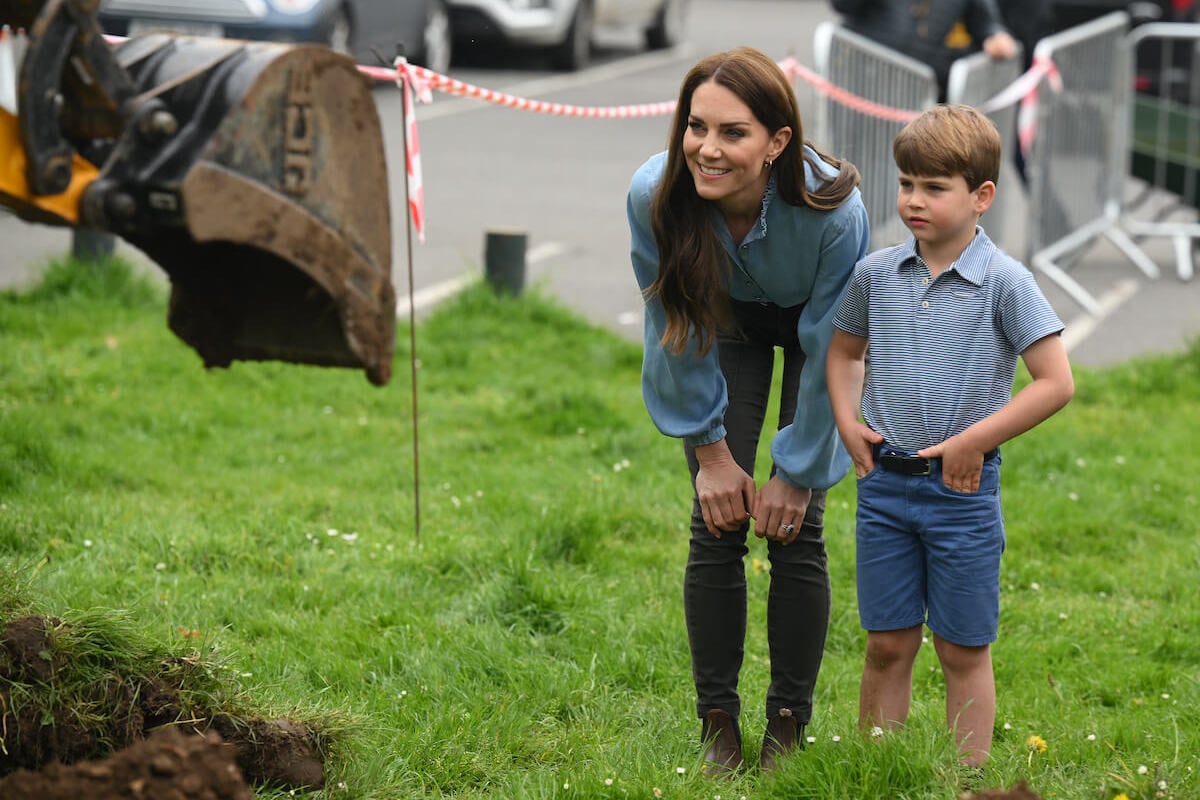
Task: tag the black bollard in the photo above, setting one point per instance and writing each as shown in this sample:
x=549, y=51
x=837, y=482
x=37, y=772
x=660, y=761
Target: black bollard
x=90, y=246
x=504, y=259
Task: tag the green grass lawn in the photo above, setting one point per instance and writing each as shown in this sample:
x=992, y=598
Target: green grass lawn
x=530, y=642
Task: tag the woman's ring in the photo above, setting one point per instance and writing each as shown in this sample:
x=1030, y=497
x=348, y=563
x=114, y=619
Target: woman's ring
x=787, y=529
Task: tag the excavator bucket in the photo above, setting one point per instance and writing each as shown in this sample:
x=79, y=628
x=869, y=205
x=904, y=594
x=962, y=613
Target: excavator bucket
x=259, y=187
x=253, y=173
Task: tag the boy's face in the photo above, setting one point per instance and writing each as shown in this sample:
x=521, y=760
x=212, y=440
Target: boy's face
x=940, y=209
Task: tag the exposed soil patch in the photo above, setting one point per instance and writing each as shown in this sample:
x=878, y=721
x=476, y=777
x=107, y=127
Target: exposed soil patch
x=1019, y=792
x=170, y=765
x=116, y=711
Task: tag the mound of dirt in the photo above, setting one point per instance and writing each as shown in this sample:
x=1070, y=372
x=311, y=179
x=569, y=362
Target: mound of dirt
x=120, y=711
x=170, y=765
x=277, y=751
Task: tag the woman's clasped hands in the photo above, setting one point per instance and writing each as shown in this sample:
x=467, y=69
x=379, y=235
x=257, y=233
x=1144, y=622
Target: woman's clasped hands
x=728, y=498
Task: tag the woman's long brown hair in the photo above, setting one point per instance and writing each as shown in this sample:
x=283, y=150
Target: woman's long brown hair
x=692, y=266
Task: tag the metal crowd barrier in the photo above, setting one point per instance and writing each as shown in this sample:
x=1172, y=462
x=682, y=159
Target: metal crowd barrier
x=1165, y=130
x=881, y=75
x=1077, y=168
x=973, y=81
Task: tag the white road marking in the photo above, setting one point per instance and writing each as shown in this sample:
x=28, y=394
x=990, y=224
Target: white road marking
x=432, y=295
x=544, y=252
x=1082, y=326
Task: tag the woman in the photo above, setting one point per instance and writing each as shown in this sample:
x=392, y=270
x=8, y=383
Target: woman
x=743, y=237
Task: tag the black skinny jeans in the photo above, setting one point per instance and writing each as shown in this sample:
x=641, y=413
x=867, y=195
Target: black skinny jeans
x=714, y=592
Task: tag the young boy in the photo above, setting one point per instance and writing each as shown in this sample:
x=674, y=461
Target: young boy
x=946, y=315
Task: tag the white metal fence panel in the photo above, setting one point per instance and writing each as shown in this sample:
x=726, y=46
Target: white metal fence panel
x=1165, y=131
x=974, y=81
x=1077, y=168
x=880, y=75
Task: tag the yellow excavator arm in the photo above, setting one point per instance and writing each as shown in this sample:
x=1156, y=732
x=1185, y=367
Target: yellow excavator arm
x=56, y=209
x=253, y=173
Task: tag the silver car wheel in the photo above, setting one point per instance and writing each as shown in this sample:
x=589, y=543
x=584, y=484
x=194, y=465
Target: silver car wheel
x=437, y=50
x=341, y=33
x=576, y=50
x=668, y=28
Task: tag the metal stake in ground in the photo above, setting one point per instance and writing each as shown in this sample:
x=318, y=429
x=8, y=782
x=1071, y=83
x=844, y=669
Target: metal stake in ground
x=412, y=315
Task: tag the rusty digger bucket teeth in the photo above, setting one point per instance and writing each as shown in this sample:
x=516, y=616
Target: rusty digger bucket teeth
x=252, y=173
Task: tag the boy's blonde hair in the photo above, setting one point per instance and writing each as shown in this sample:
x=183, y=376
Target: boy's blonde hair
x=950, y=140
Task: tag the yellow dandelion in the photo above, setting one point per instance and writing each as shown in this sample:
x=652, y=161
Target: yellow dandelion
x=1037, y=743
x=1121, y=796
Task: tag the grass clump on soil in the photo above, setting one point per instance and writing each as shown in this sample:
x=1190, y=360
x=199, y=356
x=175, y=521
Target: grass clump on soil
x=531, y=644
x=82, y=688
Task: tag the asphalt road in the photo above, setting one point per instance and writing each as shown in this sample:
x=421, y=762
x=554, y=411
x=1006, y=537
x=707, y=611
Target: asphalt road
x=563, y=181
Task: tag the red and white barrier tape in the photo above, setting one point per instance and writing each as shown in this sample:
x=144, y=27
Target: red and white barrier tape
x=1027, y=112
x=412, y=78
x=9, y=69
x=409, y=82
x=459, y=88
x=794, y=69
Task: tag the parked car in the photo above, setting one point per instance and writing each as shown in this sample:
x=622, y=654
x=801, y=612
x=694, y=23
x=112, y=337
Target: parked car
x=565, y=27
x=363, y=29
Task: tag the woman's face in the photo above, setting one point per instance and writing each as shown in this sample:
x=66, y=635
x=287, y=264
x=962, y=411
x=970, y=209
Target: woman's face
x=726, y=149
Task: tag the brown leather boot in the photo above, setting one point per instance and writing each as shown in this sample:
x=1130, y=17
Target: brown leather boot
x=721, y=736
x=784, y=733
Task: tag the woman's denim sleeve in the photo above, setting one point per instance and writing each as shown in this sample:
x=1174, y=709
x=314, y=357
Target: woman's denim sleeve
x=809, y=452
x=684, y=392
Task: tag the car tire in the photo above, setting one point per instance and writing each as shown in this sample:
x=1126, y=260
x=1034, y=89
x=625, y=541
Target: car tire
x=341, y=33
x=575, y=51
x=669, y=24
x=437, y=39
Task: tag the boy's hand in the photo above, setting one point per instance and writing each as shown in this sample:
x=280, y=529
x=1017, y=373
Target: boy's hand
x=961, y=464
x=859, y=444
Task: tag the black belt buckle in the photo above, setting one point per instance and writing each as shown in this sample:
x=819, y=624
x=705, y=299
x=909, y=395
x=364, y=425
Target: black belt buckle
x=906, y=465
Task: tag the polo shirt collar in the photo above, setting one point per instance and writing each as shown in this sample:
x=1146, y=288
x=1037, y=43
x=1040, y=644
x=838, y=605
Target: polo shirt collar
x=971, y=264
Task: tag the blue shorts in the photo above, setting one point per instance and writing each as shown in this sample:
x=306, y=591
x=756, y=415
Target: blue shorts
x=926, y=554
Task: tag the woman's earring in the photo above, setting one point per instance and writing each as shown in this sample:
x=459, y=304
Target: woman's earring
x=768, y=162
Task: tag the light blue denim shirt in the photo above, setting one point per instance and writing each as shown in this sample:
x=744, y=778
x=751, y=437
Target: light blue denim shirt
x=794, y=255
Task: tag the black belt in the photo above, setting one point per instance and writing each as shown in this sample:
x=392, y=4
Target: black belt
x=915, y=465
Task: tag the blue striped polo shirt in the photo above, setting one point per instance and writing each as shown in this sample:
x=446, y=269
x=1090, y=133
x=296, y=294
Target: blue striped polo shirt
x=942, y=352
